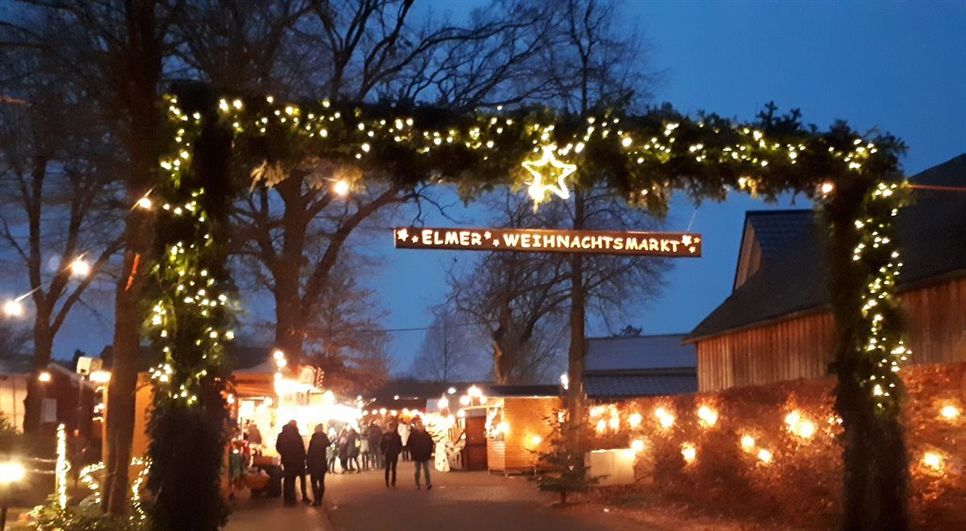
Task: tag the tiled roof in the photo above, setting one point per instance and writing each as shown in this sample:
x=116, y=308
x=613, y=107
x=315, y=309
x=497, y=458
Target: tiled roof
x=932, y=232
x=639, y=352
x=776, y=230
x=614, y=386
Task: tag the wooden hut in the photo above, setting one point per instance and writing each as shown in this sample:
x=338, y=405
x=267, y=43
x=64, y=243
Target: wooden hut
x=518, y=425
x=776, y=324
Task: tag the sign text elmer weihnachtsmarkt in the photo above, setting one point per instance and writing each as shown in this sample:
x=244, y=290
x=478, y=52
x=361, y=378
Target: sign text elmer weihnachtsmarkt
x=671, y=244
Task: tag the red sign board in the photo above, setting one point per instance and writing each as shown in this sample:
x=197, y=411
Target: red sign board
x=668, y=244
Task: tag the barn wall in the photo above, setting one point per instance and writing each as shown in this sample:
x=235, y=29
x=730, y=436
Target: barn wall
x=802, y=347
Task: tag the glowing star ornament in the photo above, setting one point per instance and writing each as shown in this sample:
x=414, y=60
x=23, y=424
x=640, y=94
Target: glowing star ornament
x=548, y=167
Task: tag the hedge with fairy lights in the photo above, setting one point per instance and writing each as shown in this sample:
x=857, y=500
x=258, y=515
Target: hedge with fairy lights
x=856, y=182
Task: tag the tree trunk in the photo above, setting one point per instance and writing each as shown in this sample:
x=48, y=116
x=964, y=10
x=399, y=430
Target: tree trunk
x=287, y=271
x=289, y=321
x=575, y=371
x=501, y=369
x=136, y=74
x=128, y=316
x=43, y=347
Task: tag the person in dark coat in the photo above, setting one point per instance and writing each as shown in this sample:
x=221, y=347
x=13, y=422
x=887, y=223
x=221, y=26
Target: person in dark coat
x=291, y=448
x=390, y=445
x=421, y=449
x=352, y=449
x=317, y=464
x=374, y=435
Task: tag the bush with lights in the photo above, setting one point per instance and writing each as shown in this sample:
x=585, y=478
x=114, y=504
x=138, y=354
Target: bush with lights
x=773, y=452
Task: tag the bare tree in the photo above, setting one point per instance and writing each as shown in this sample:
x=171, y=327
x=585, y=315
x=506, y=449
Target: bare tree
x=294, y=224
x=589, y=65
x=346, y=340
x=445, y=353
x=516, y=298
x=58, y=205
x=114, y=50
x=14, y=340
x=592, y=66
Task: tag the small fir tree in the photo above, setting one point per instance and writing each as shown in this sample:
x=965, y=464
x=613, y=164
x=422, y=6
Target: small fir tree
x=560, y=467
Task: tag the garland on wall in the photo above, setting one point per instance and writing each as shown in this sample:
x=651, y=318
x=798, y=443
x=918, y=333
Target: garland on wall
x=643, y=158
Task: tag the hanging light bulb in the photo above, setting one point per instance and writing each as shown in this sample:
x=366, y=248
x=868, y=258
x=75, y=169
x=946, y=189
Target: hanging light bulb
x=341, y=188
x=13, y=308
x=79, y=268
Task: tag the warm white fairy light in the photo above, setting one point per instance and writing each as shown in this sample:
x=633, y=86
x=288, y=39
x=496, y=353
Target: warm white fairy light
x=949, y=412
x=707, y=416
x=765, y=456
x=634, y=420
x=664, y=418
x=637, y=445
x=689, y=452
x=934, y=461
x=61, y=467
x=747, y=443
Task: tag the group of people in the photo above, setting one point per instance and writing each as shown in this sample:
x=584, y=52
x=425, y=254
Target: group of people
x=379, y=449
x=297, y=460
x=419, y=444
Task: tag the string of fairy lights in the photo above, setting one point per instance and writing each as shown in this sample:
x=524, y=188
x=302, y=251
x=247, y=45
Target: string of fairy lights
x=648, y=155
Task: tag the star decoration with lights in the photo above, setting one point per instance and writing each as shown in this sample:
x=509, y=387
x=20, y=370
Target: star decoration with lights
x=402, y=234
x=548, y=167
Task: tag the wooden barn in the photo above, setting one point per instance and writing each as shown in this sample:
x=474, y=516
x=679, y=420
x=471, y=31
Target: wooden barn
x=776, y=324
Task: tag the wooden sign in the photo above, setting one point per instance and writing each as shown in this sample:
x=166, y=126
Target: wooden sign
x=671, y=244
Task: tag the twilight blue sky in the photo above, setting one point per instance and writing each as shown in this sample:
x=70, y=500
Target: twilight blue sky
x=896, y=66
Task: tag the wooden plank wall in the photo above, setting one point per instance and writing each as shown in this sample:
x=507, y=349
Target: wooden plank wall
x=526, y=417
x=936, y=320
x=802, y=347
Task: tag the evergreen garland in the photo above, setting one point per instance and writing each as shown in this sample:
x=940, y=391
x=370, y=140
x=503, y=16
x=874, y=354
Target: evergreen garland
x=643, y=158
x=189, y=323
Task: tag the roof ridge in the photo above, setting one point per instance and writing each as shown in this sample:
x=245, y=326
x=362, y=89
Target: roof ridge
x=642, y=336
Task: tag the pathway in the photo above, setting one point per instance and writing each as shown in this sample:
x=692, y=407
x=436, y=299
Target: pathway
x=465, y=501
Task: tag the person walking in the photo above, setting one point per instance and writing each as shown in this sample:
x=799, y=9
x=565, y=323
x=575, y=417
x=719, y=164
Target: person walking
x=344, y=450
x=317, y=464
x=421, y=450
x=352, y=449
x=291, y=449
x=391, y=445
